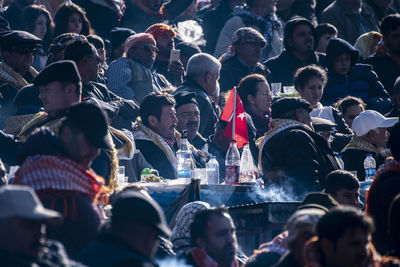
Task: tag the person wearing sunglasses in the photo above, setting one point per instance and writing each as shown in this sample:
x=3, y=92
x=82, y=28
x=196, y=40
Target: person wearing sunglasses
x=18, y=49
x=131, y=76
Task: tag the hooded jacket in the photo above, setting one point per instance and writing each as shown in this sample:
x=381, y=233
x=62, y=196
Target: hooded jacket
x=361, y=81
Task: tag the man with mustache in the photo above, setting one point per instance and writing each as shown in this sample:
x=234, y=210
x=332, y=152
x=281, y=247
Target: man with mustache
x=300, y=41
x=188, y=114
x=213, y=236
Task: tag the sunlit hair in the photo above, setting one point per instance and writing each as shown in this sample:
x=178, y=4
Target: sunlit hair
x=62, y=15
x=28, y=21
x=305, y=74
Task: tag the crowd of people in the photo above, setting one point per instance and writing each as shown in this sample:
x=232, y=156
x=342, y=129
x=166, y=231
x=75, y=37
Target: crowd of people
x=88, y=86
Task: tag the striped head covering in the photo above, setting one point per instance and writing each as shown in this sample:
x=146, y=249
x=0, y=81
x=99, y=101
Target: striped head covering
x=160, y=28
x=138, y=38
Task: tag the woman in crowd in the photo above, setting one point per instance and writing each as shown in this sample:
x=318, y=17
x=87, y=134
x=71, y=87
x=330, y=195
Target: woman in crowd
x=71, y=18
x=256, y=97
x=350, y=107
x=309, y=82
x=37, y=20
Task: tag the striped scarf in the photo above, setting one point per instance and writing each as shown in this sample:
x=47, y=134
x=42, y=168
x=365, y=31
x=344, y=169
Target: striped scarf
x=12, y=77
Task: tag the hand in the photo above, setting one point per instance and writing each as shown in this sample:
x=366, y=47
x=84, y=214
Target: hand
x=177, y=70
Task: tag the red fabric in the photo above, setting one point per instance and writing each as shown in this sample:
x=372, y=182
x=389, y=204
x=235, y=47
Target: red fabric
x=43, y=172
x=241, y=135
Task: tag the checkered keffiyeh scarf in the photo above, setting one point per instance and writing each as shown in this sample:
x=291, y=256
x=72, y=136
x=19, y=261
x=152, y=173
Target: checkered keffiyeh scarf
x=43, y=172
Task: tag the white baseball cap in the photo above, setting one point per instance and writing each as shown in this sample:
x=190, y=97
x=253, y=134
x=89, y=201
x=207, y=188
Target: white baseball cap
x=21, y=201
x=369, y=120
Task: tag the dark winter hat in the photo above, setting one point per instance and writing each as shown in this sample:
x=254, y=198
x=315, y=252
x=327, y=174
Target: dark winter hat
x=119, y=36
x=62, y=71
x=139, y=208
x=286, y=104
x=321, y=124
x=248, y=35
x=183, y=98
x=20, y=39
x=337, y=47
x=92, y=121
x=292, y=24
x=318, y=200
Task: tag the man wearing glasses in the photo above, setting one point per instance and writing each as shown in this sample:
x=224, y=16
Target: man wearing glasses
x=131, y=76
x=18, y=49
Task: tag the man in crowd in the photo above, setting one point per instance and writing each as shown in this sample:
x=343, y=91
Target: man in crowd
x=164, y=36
x=343, y=237
x=344, y=187
x=202, y=76
x=293, y=150
x=325, y=32
x=132, y=236
x=371, y=135
x=247, y=45
x=71, y=186
x=188, y=114
x=300, y=42
x=23, y=234
x=213, y=236
x=259, y=15
x=155, y=134
x=86, y=58
x=131, y=77
x=18, y=49
x=386, y=61
x=352, y=18
x=139, y=15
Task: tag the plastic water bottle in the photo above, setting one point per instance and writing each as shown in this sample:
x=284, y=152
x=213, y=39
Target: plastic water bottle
x=232, y=164
x=212, y=170
x=184, y=158
x=248, y=170
x=341, y=163
x=369, y=166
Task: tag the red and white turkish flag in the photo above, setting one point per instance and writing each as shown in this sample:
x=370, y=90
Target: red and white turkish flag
x=241, y=135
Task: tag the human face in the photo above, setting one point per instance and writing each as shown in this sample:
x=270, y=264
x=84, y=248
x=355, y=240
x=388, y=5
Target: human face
x=92, y=66
x=188, y=118
x=20, y=59
x=350, y=250
x=74, y=23
x=263, y=98
x=342, y=64
x=380, y=137
x=302, y=40
x=351, y=113
x=348, y=197
x=220, y=242
x=165, y=42
x=53, y=97
x=146, y=53
x=40, y=26
x=78, y=147
x=392, y=40
x=25, y=236
x=312, y=91
x=166, y=125
x=212, y=85
x=323, y=42
x=267, y=7
x=249, y=53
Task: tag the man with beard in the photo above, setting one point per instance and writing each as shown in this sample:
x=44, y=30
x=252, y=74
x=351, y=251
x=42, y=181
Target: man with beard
x=213, y=237
x=300, y=42
x=164, y=36
x=188, y=114
x=386, y=60
x=131, y=76
x=351, y=18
